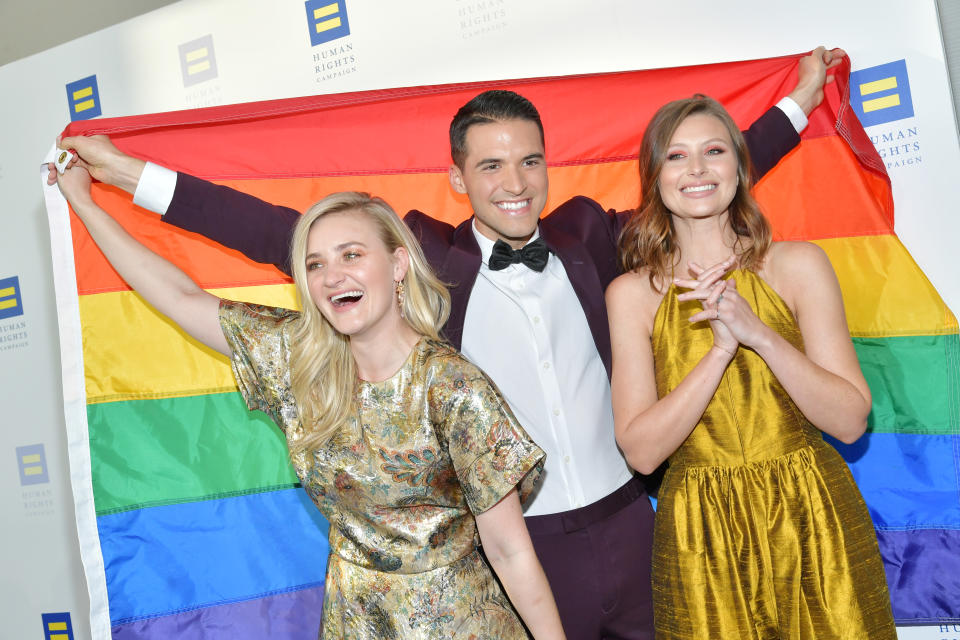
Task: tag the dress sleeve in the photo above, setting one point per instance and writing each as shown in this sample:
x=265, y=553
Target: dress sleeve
x=259, y=338
x=490, y=451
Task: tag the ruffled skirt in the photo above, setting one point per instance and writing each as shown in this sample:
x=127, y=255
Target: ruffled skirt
x=782, y=548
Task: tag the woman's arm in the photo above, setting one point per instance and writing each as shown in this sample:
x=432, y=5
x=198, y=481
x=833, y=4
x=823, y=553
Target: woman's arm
x=824, y=380
x=649, y=430
x=258, y=229
x=160, y=283
x=507, y=545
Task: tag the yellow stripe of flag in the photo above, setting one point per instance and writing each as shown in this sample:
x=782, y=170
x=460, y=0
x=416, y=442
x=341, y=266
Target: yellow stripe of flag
x=884, y=291
x=132, y=352
x=82, y=93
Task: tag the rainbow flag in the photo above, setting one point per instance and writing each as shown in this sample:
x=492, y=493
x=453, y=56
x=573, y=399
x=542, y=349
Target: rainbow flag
x=191, y=520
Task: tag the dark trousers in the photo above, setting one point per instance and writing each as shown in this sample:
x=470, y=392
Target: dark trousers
x=597, y=560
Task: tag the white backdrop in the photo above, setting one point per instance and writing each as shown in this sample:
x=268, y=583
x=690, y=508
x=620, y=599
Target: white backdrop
x=204, y=52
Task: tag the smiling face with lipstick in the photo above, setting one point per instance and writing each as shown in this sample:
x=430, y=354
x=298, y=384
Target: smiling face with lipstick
x=698, y=178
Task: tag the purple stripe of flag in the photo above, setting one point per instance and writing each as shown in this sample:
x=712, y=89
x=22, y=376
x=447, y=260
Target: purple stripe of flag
x=293, y=615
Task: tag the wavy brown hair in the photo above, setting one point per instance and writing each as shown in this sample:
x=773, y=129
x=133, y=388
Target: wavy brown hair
x=322, y=369
x=647, y=240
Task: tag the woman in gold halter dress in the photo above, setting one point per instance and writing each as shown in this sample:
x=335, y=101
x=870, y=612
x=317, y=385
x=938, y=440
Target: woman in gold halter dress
x=732, y=371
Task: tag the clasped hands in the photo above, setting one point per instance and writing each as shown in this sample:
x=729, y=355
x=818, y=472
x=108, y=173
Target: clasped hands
x=731, y=318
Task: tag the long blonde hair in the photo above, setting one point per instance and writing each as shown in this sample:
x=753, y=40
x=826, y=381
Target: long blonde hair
x=322, y=370
x=647, y=239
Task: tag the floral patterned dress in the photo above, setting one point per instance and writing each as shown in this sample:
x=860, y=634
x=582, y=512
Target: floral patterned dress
x=399, y=482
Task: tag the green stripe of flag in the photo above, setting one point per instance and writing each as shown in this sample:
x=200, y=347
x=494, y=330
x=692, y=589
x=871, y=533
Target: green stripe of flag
x=171, y=450
x=232, y=451
x=914, y=382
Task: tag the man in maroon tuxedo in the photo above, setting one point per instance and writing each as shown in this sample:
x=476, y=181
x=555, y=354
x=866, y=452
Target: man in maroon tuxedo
x=528, y=308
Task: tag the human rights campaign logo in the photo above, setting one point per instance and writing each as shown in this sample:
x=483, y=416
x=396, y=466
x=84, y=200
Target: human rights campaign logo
x=326, y=20
x=198, y=61
x=881, y=94
x=57, y=626
x=32, y=462
x=11, y=303
x=83, y=97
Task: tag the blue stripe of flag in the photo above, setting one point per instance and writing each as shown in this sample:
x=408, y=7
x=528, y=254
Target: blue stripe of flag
x=184, y=556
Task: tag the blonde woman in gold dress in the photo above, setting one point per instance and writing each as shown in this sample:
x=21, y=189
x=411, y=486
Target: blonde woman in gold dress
x=407, y=449
x=731, y=355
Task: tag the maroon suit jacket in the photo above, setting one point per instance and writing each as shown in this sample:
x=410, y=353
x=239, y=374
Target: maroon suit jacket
x=580, y=232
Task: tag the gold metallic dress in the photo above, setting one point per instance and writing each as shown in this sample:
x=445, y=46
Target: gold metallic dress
x=760, y=529
x=399, y=484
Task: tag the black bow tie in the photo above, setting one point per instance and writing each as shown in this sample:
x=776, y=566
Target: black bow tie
x=534, y=255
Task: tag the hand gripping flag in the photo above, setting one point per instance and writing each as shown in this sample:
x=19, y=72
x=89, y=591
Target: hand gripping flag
x=192, y=523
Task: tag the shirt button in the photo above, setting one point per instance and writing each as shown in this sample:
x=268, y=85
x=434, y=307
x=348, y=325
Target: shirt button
x=520, y=285
x=556, y=412
x=546, y=365
x=566, y=459
x=536, y=319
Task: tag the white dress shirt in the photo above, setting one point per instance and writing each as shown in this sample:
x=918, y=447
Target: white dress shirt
x=528, y=332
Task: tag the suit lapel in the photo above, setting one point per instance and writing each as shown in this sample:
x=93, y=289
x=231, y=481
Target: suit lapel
x=459, y=271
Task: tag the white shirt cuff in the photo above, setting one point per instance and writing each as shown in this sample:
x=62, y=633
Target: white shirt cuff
x=793, y=111
x=155, y=189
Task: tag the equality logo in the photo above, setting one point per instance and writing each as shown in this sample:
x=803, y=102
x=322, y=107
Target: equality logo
x=881, y=94
x=32, y=462
x=326, y=20
x=83, y=98
x=57, y=626
x=198, y=62
x=11, y=304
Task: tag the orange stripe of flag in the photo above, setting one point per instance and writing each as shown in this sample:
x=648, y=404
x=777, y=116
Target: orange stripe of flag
x=809, y=196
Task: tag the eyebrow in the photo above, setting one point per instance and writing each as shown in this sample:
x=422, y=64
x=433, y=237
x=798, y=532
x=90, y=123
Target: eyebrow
x=339, y=247
x=537, y=155
x=710, y=141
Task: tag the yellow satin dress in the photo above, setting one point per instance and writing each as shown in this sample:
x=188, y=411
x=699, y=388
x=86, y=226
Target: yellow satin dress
x=760, y=529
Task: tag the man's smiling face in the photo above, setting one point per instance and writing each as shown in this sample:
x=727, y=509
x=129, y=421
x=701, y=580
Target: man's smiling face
x=504, y=175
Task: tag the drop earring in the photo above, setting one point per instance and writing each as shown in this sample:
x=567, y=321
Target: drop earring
x=401, y=296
